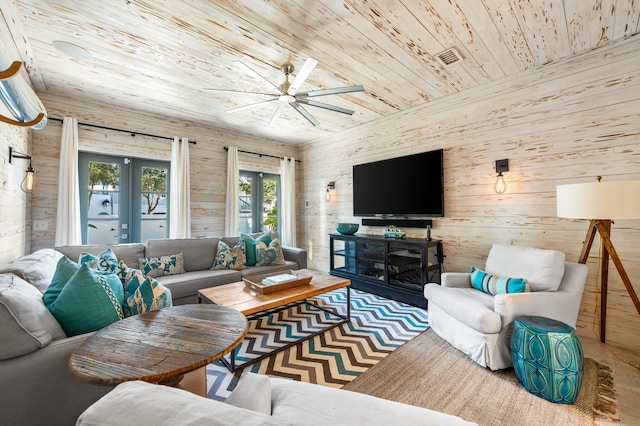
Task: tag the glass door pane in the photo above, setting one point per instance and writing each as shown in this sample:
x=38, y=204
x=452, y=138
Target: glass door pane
x=103, y=195
x=245, y=203
x=270, y=202
x=154, y=221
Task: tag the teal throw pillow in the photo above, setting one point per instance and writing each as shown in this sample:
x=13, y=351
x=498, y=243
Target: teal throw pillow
x=145, y=294
x=105, y=261
x=230, y=257
x=269, y=255
x=89, y=301
x=164, y=265
x=493, y=284
x=266, y=237
x=64, y=271
x=250, y=249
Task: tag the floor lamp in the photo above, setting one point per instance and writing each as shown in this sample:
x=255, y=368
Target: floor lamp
x=601, y=203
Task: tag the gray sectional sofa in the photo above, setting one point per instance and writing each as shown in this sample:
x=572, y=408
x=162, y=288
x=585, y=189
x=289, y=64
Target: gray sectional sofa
x=36, y=386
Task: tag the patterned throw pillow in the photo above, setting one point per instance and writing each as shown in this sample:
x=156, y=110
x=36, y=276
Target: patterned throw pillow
x=271, y=255
x=125, y=273
x=164, y=265
x=145, y=295
x=230, y=258
x=105, y=261
x=88, y=301
x=493, y=284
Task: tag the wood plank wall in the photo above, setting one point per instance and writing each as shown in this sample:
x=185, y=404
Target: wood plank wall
x=208, y=158
x=15, y=205
x=562, y=123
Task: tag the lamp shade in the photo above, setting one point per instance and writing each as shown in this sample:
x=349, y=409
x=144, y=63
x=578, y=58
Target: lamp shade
x=599, y=200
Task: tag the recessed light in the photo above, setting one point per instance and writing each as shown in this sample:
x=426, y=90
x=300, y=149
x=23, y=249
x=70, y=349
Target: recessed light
x=72, y=50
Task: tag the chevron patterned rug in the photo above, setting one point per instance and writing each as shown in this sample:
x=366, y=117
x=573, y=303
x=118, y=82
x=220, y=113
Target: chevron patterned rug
x=334, y=358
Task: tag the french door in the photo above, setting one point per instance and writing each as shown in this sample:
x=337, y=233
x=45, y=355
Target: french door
x=258, y=204
x=124, y=200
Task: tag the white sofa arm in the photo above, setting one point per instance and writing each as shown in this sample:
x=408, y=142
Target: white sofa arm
x=557, y=305
x=456, y=279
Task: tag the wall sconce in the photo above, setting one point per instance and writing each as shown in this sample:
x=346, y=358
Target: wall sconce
x=501, y=166
x=27, y=182
x=330, y=187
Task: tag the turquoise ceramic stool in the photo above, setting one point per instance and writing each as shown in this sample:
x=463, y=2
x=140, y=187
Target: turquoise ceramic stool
x=547, y=358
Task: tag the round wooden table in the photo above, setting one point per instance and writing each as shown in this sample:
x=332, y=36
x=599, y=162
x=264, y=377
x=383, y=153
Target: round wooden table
x=159, y=346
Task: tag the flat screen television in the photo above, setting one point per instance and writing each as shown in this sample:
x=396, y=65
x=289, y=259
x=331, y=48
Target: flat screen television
x=407, y=186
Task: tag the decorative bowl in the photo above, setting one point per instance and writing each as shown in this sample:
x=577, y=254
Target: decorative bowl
x=347, y=228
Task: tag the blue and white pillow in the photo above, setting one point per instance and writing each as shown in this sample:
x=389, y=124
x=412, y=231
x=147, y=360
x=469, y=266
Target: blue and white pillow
x=269, y=255
x=145, y=295
x=493, y=284
x=125, y=273
x=105, y=261
x=164, y=265
x=230, y=257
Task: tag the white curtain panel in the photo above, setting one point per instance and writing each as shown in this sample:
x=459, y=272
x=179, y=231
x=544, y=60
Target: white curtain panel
x=288, y=201
x=180, y=203
x=68, y=226
x=232, y=219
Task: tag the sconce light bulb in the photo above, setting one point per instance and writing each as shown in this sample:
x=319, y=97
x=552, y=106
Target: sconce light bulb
x=28, y=181
x=500, y=186
x=327, y=195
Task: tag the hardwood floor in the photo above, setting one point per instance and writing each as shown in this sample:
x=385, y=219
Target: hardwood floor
x=626, y=372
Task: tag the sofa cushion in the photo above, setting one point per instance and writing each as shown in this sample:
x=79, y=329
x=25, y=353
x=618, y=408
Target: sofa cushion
x=125, y=273
x=543, y=269
x=198, y=252
x=145, y=295
x=468, y=305
x=311, y=404
x=269, y=255
x=163, y=265
x=128, y=253
x=36, y=268
x=26, y=324
x=141, y=403
x=494, y=284
x=259, y=270
x=106, y=261
x=230, y=257
x=253, y=392
x=189, y=283
x=89, y=301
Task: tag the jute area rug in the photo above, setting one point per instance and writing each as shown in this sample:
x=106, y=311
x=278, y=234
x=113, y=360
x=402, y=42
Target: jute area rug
x=428, y=372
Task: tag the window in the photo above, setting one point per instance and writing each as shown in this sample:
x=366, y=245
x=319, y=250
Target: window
x=126, y=199
x=258, y=204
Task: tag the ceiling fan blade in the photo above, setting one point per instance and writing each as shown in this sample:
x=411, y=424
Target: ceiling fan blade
x=276, y=114
x=304, y=113
x=306, y=69
x=250, y=105
x=334, y=91
x=258, y=76
x=326, y=106
x=241, y=92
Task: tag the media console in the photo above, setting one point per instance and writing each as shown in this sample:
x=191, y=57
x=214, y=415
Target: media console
x=394, y=268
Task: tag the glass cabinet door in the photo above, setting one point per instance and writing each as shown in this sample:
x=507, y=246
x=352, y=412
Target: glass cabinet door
x=371, y=259
x=344, y=256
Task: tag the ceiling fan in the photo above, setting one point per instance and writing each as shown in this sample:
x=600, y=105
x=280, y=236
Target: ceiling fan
x=287, y=93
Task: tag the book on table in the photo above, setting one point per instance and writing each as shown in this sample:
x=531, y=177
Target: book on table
x=279, y=279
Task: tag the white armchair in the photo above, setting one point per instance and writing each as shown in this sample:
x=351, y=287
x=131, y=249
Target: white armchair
x=480, y=324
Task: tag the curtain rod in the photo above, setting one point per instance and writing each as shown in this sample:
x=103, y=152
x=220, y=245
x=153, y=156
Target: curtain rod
x=226, y=148
x=119, y=130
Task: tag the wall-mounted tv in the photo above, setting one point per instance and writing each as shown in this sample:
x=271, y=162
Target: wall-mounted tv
x=407, y=186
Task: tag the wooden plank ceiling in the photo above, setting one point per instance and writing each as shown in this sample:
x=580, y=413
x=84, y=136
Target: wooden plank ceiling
x=159, y=55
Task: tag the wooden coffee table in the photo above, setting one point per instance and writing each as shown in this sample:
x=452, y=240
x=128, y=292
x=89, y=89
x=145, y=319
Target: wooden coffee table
x=253, y=304
x=159, y=346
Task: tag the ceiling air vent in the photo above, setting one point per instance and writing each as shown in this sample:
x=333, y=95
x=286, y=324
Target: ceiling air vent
x=448, y=57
